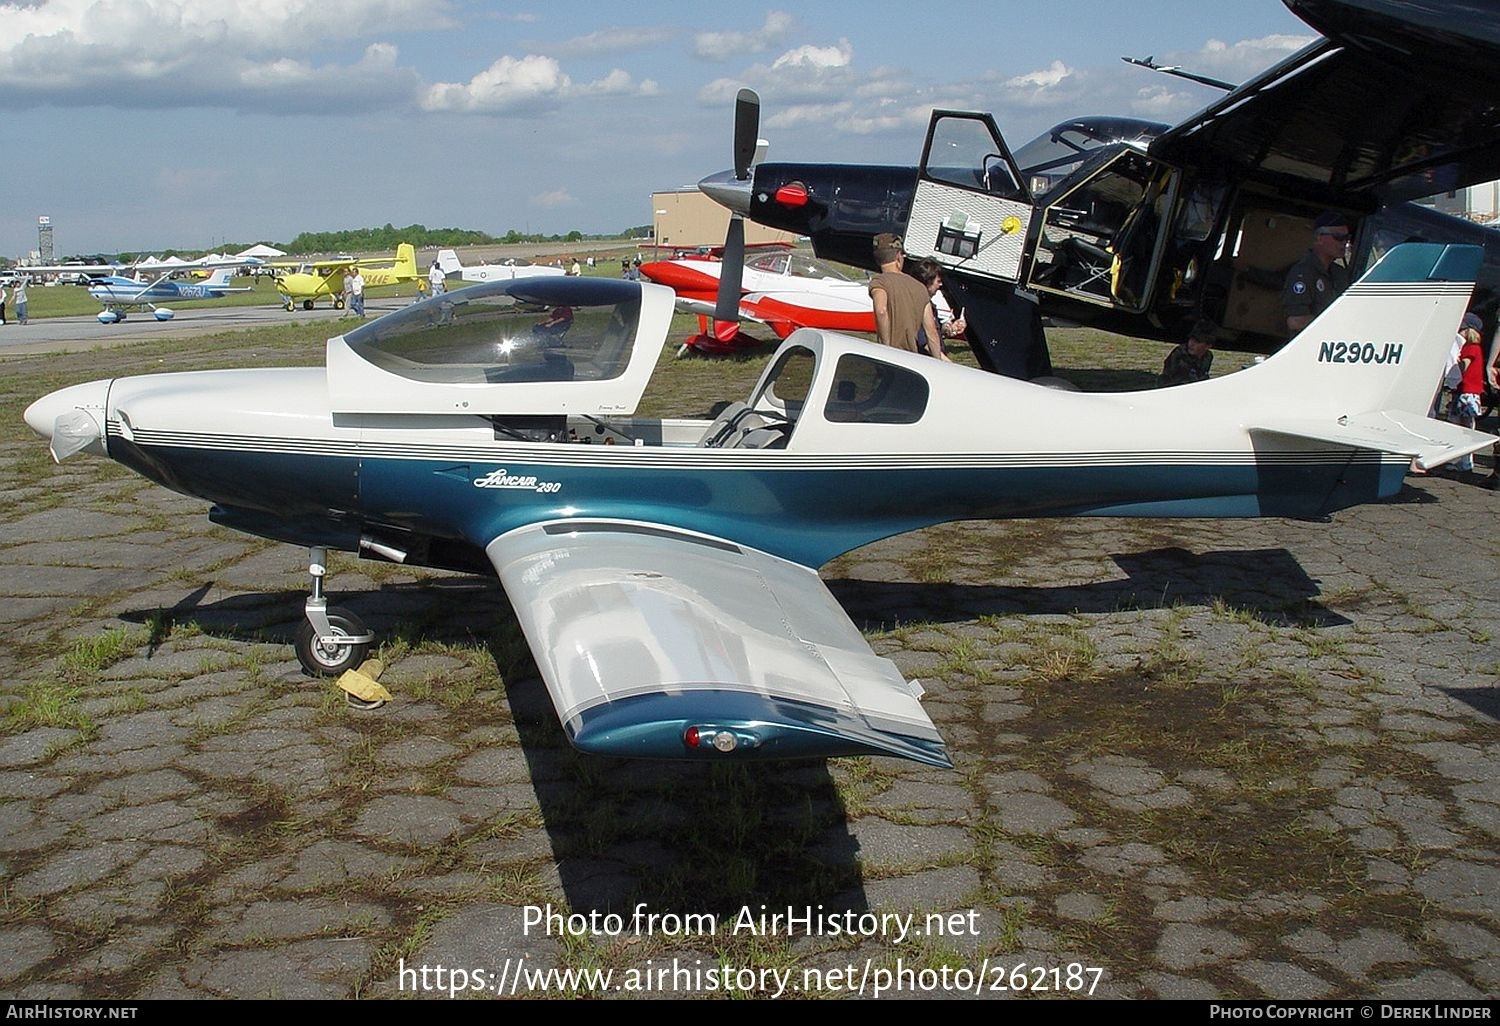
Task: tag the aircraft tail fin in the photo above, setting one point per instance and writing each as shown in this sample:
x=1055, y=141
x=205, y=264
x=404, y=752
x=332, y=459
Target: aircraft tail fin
x=220, y=278
x=449, y=261
x=406, y=261
x=1365, y=371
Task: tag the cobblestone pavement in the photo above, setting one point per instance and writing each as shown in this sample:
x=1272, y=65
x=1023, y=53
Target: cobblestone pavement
x=1210, y=758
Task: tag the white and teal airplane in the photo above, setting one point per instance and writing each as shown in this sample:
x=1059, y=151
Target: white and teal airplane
x=119, y=292
x=664, y=571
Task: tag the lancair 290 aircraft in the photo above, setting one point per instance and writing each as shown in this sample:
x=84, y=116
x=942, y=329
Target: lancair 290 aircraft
x=665, y=574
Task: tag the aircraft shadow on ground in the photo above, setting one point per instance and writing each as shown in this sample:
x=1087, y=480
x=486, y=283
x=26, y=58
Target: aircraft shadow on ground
x=1485, y=701
x=1268, y=584
x=679, y=837
x=695, y=838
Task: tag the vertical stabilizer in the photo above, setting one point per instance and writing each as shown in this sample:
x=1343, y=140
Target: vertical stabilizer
x=1365, y=371
x=406, y=261
x=1380, y=346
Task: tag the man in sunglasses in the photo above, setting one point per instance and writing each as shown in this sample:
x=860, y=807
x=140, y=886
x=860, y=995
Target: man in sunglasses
x=1316, y=280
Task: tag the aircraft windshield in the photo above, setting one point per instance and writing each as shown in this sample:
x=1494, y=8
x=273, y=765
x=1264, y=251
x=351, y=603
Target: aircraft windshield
x=1068, y=143
x=797, y=265
x=530, y=329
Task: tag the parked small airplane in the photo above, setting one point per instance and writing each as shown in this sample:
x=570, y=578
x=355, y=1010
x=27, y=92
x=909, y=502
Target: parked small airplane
x=667, y=583
x=783, y=290
x=326, y=277
x=118, y=291
x=1143, y=228
x=506, y=271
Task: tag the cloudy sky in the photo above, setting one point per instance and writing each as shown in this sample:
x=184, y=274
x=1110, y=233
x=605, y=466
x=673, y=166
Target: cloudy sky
x=141, y=124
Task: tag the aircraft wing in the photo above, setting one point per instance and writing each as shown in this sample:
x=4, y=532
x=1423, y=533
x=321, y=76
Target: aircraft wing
x=201, y=264
x=643, y=633
x=1431, y=443
x=1399, y=101
x=345, y=262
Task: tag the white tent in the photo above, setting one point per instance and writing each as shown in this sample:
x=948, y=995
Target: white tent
x=261, y=251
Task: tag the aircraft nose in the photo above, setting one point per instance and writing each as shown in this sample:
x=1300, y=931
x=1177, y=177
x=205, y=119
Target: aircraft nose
x=728, y=191
x=71, y=418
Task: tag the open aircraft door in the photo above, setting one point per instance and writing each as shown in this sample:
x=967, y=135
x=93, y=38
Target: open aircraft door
x=1101, y=234
x=972, y=210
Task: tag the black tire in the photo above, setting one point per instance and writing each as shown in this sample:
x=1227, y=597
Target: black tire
x=338, y=303
x=307, y=304
x=318, y=661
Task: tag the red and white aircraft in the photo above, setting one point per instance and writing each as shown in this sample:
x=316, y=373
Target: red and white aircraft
x=782, y=290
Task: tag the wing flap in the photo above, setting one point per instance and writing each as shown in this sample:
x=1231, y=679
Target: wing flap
x=1431, y=443
x=642, y=632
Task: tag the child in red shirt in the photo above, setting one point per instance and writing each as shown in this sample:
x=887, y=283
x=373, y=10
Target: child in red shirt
x=1471, y=388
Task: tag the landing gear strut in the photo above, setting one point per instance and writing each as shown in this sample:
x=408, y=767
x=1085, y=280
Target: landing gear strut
x=330, y=639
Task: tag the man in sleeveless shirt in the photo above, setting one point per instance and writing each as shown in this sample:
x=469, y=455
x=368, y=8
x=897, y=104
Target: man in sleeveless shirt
x=902, y=306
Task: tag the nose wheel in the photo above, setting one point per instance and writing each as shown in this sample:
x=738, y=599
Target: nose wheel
x=330, y=639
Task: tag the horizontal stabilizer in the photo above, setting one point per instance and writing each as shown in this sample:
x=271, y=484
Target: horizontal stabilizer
x=1431, y=443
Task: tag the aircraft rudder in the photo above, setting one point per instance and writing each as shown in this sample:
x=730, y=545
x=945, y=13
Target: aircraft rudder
x=406, y=260
x=448, y=258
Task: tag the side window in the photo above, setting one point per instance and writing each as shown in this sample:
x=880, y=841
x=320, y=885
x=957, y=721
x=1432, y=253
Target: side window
x=964, y=153
x=786, y=387
x=867, y=391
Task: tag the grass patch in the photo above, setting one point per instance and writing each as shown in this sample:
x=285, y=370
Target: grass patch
x=49, y=703
x=89, y=656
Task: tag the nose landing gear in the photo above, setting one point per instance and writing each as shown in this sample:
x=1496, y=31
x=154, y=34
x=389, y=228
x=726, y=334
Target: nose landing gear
x=330, y=639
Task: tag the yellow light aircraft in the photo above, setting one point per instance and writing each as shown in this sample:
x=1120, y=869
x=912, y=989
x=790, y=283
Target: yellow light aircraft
x=326, y=277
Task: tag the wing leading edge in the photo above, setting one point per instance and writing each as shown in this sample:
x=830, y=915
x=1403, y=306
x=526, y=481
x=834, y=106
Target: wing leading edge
x=659, y=643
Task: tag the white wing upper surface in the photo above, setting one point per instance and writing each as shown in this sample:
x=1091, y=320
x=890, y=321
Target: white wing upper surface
x=642, y=632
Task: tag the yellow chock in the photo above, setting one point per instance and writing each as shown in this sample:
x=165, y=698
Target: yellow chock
x=364, y=684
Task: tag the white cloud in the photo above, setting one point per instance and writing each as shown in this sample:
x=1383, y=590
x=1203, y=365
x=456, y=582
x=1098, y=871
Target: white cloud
x=1046, y=78
x=526, y=85
x=613, y=40
x=1158, y=103
x=723, y=46
x=511, y=83
x=174, y=53
x=555, y=198
x=1235, y=62
x=800, y=114
x=816, y=57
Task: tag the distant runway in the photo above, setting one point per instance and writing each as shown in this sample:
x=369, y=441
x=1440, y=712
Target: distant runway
x=71, y=334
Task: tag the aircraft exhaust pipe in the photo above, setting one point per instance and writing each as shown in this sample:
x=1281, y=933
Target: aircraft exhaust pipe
x=374, y=548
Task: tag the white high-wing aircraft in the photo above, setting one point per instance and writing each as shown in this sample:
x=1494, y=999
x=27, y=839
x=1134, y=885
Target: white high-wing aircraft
x=667, y=583
x=119, y=287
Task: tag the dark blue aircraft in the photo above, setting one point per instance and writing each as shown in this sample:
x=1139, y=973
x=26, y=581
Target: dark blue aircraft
x=1144, y=228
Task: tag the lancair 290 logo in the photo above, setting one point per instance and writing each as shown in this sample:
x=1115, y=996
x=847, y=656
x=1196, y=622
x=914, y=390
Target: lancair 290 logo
x=504, y=479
